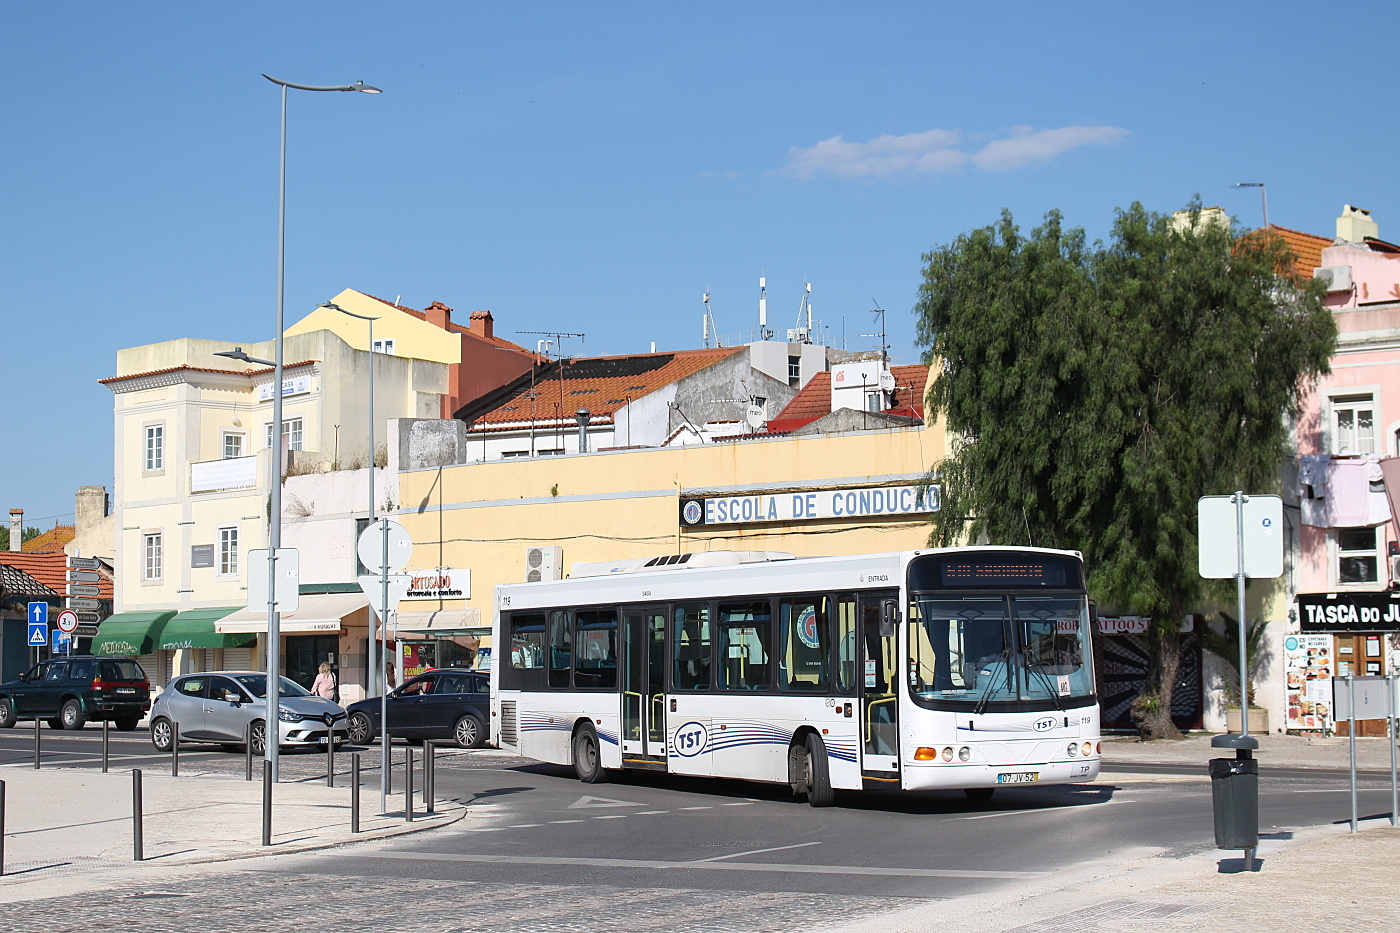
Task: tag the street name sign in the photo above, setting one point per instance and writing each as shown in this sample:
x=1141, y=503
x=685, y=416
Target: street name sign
x=83, y=589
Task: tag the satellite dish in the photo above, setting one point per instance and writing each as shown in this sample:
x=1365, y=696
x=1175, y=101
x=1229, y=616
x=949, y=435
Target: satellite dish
x=887, y=380
x=754, y=416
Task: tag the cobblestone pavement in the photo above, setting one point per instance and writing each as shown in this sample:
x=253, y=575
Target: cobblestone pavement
x=273, y=902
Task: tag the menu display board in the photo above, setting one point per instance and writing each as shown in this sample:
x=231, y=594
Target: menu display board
x=1308, y=667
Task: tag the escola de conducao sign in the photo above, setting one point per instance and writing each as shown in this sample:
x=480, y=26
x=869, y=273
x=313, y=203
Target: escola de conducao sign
x=871, y=501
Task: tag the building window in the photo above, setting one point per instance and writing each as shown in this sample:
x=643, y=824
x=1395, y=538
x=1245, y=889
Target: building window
x=1358, y=556
x=515, y=453
x=155, y=447
x=794, y=370
x=1354, y=424
x=152, y=568
x=386, y=345
x=233, y=446
x=291, y=433
x=228, y=552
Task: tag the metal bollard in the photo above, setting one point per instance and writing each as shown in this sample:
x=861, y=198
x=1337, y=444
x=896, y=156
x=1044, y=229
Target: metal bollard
x=429, y=777
x=408, y=785
x=355, y=792
x=105, y=724
x=2, y=828
x=267, y=803
x=248, y=753
x=137, y=837
x=174, y=749
x=36, y=744
x=330, y=756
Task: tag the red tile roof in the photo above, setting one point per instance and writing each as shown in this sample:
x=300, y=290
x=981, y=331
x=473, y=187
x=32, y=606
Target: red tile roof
x=50, y=541
x=814, y=399
x=602, y=384
x=459, y=329
x=52, y=570
x=172, y=369
x=1307, y=248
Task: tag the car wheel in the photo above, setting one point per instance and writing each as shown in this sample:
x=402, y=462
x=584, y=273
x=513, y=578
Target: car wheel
x=72, y=715
x=259, y=738
x=162, y=734
x=588, y=762
x=127, y=723
x=979, y=794
x=469, y=732
x=7, y=713
x=360, y=730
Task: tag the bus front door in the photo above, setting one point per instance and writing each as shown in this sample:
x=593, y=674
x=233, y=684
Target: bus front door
x=643, y=682
x=879, y=676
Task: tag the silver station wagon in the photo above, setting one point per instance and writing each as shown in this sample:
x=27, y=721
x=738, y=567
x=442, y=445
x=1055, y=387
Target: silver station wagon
x=220, y=706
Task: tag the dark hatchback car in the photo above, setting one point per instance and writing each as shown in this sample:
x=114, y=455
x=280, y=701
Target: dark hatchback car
x=444, y=704
x=68, y=692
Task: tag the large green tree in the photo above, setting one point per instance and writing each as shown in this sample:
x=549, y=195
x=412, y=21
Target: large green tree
x=1096, y=391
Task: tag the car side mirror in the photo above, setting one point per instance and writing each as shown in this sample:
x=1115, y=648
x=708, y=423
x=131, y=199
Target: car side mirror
x=231, y=697
x=23, y=678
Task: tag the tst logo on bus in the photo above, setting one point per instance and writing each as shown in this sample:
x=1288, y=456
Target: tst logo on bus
x=1044, y=724
x=690, y=740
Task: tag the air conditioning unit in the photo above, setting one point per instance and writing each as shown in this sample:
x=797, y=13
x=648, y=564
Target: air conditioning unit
x=543, y=562
x=1336, y=278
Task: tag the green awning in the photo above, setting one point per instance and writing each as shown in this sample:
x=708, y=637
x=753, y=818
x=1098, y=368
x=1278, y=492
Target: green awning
x=130, y=632
x=195, y=629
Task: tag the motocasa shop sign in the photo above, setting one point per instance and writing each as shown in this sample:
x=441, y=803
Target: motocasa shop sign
x=442, y=583
x=1349, y=612
x=868, y=502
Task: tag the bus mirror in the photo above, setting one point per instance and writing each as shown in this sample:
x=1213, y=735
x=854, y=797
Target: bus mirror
x=889, y=617
x=1093, y=612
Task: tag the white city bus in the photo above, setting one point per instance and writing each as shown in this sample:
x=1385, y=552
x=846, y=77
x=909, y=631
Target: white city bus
x=919, y=670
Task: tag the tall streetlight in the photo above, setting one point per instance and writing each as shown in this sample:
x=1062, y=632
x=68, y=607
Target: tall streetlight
x=274, y=529
x=1263, y=194
x=373, y=673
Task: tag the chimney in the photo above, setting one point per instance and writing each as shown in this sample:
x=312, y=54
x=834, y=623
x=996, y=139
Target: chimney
x=90, y=507
x=16, y=529
x=439, y=315
x=481, y=323
x=1355, y=225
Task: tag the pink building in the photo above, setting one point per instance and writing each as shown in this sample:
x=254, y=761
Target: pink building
x=1346, y=568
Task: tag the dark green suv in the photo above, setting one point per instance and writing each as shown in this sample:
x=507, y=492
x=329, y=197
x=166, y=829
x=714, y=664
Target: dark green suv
x=67, y=692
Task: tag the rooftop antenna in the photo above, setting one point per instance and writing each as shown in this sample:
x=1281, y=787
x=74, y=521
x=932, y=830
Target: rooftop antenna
x=710, y=329
x=802, y=333
x=886, y=378
x=763, y=331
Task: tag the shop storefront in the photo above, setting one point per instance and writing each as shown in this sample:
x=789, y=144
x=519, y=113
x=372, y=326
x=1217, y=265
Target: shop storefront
x=135, y=634
x=325, y=627
x=442, y=638
x=189, y=643
x=1354, y=634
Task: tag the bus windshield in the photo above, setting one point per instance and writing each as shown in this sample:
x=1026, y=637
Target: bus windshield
x=988, y=651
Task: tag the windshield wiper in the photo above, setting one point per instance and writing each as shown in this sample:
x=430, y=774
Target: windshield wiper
x=986, y=697
x=1045, y=679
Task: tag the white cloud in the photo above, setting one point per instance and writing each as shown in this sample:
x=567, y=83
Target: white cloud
x=1027, y=146
x=936, y=152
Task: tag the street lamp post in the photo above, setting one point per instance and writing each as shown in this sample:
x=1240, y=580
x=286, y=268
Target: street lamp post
x=372, y=675
x=274, y=529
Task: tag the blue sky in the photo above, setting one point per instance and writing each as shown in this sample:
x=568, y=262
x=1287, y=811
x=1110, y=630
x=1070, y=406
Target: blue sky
x=596, y=168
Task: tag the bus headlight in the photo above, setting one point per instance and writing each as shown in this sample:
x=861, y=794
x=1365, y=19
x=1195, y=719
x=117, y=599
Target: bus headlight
x=964, y=754
x=1086, y=749
x=948, y=753
x=1073, y=749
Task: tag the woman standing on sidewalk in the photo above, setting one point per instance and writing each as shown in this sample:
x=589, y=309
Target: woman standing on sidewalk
x=324, y=684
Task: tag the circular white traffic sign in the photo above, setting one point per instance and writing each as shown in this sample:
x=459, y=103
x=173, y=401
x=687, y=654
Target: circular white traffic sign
x=68, y=621
x=380, y=552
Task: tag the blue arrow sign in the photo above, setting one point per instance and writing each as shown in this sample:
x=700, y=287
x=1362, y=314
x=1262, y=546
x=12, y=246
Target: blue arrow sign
x=60, y=642
x=39, y=614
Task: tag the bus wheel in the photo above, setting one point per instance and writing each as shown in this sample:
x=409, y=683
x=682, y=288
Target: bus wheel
x=979, y=794
x=809, y=773
x=587, y=759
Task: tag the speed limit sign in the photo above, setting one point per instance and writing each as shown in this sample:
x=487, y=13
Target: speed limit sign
x=68, y=621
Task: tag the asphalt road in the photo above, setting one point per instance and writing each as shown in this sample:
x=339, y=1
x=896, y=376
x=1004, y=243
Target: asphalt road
x=654, y=852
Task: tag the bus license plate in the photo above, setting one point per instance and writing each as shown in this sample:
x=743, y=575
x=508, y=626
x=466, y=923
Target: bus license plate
x=1019, y=777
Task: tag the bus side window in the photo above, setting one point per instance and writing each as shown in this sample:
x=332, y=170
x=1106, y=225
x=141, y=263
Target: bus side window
x=805, y=648
x=690, y=644
x=745, y=636
x=596, y=655
x=847, y=673
x=525, y=670
x=561, y=647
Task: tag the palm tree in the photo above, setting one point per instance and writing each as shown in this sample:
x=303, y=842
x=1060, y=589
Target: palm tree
x=1226, y=647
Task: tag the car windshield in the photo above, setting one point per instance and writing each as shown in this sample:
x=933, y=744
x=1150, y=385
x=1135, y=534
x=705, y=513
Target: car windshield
x=993, y=648
x=256, y=684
